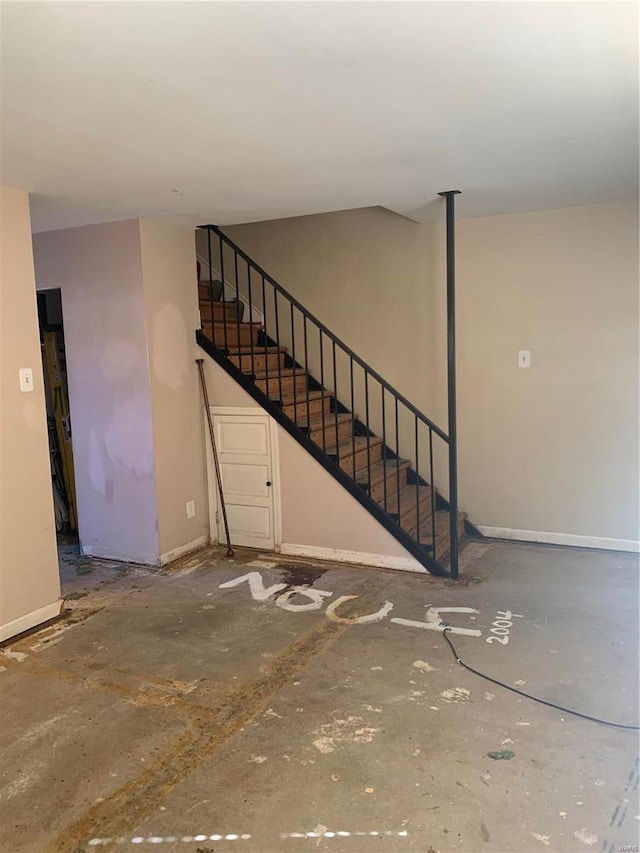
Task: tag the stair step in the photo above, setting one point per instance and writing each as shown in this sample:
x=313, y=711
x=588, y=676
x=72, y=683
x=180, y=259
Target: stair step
x=442, y=532
x=304, y=407
x=258, y=359
x=233, y=333
x=367, y=453
x=244, y=350
x=385, y=471
x=380, y=470
x=275, y=386
x=205, y=291
x=323, y=431
x=409, y=495
x=412, y=500
x=220, y=310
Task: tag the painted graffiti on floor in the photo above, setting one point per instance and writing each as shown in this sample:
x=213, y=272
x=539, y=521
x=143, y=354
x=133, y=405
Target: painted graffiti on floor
x=434, y=619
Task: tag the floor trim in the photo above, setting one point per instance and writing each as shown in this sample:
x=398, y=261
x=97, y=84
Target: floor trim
x=573, y=539
x=30, y=620
x=380, y=561
x=181, y=550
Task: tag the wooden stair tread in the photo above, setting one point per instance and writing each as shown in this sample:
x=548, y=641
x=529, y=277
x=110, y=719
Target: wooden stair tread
x=301, y=398
x=329, y=421
x=273, y=375
x=233, y=324
x=244, y=350
x=408, y=496
x=346, y=447
x=442, y=525
x=224, y=306
x=380, y=470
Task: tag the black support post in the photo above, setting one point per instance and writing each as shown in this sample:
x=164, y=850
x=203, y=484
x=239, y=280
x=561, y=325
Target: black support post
x=449, y=197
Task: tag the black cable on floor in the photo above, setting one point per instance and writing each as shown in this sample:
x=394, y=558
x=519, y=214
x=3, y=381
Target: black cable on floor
x=529, y=696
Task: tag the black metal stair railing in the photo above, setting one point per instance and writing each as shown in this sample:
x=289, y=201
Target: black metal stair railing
x=376, y=442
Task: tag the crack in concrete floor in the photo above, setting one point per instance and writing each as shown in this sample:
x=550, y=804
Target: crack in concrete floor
x=206, y=730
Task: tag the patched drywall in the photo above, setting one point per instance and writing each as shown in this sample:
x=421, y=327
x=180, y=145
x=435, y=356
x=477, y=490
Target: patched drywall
x=171, y=308
x=29, y=583
x=98, y=269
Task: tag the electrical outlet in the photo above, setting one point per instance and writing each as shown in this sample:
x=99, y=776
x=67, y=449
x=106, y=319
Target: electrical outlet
x=191, y=509
x=524, y=358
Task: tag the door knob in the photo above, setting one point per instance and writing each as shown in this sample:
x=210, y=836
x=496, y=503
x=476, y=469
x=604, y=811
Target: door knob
x=268, y=482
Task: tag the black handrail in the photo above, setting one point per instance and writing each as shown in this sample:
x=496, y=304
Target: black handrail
x=370, y=370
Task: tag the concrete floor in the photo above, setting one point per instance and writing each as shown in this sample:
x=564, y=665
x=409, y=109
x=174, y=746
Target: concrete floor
x=167, y=711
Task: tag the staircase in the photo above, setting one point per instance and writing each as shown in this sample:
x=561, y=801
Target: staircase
x=340, y=409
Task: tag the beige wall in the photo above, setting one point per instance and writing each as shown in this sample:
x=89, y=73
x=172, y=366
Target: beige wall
x=99, y=271
x=171, y=308
x=552, y=449
x=29, y=583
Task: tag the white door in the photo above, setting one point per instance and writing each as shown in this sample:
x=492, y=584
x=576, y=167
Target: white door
x=245, y=454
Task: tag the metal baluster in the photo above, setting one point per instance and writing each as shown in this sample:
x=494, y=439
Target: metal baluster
x=366, y=419
x=275, y=309
x=224, y=306
x=306, y=367
x=324, y=437
x=384, y=452
x=397, y=462
x=335, y=400
x=415, y=417
x=253, y=369
x=213, y=334
x=293, y=357
x=353, y=405
x=433, y=494
x=266, y=353
x=235, y=266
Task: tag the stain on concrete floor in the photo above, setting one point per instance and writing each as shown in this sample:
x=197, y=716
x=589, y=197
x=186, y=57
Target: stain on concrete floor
x=167, y=711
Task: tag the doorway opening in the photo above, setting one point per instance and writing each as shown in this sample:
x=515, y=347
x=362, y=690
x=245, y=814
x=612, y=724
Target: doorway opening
x=54, y=364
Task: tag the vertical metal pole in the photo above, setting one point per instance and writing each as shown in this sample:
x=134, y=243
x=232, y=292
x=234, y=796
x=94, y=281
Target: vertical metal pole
x=214, y=452
x=449, y=197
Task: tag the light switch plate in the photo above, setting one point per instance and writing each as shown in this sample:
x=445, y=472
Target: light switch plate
x=26, y=379
x=191, y=509
x=524, y=358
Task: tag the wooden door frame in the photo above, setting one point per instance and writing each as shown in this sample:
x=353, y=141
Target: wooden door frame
x=212, y=490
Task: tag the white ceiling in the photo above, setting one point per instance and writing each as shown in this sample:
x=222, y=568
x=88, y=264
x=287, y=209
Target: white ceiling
x=232, y=112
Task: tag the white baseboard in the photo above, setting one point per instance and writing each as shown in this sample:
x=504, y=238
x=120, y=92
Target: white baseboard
x=379, y=561
x=573, y=539
x=30, y=620
x=181, y=550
